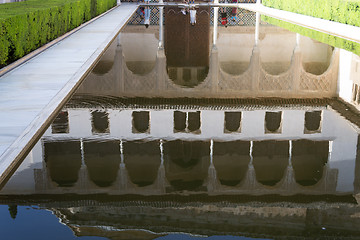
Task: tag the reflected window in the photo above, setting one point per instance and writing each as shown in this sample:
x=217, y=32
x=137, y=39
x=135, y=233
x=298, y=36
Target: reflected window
x=232, y=122
x=140, y=122
x=312, y=122
x=61, y=123
x=273, y=122
x=100, y=122
x=187, y=121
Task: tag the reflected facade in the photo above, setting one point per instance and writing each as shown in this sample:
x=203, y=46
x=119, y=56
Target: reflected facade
x=242, y=135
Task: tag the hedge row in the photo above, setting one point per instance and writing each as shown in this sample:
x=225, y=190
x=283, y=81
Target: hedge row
x=343, y=11
x=25, y=26
x=319, y=36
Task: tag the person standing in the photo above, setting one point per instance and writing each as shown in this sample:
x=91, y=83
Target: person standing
x=223, y=16
x=184, y=9
x=234, y=12
x=147, y=15
x=192, y=14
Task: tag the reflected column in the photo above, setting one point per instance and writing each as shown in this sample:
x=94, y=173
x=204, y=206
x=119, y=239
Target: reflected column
x=297, y=62
x=83, y=181
x=161, y=177
x=255, y=59
x=288, y=183
x=160, y=56
x=215, y=23
x=122, y=177
x=214, y=60
x=212, y=178
x=329, y=177
x=257, y=26
x=161, y=25
x=250, y=182
x=119, y=62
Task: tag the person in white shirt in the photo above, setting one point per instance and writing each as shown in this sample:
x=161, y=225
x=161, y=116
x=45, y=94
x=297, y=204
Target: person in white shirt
x=192, y=14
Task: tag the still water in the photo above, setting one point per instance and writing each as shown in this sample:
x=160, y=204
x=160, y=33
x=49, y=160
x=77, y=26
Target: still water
x=239, y=139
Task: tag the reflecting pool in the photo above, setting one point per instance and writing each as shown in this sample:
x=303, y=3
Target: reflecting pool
x=189, y=132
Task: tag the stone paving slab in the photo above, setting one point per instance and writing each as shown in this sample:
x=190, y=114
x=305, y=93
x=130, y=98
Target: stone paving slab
x=32, y=93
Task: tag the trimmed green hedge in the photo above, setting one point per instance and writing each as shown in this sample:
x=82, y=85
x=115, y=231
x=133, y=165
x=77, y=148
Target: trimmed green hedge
x=319, y=36
x=25, y=26
x=343, y=11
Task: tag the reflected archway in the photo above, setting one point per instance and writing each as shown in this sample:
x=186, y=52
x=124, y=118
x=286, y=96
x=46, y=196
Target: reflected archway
x=63, y=161
x=107, y=60
x=102, y=159
x=270, y=159
x=139, y=49
x=186, y=164
x=276, y=49
x=235, y=48
x=142, y=161
x=308, y=160
x=316, y=56
x=231, y=160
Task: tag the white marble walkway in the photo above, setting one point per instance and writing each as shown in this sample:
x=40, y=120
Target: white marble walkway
x=33, y=92
x=341, y=30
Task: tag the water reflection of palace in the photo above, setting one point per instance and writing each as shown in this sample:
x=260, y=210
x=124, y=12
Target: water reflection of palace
x=217, y=164
x=239, y=66
x=251, y=149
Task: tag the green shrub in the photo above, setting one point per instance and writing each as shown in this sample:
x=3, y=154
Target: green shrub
x=25, y=26
x=319, y=36
x=343, y=11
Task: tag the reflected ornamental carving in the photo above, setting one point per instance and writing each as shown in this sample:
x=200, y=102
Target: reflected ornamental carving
x=311, y=82
x=324, y=82
x=255, y=81
x=140, y=82
x=268, y=82
x=235, y=82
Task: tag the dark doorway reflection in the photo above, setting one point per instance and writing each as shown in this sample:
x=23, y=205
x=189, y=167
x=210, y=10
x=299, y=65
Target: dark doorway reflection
x=308, y=159
x=142, y=161
x=63, y=160
x=270, y=160
x=186, y=164
x=231, y=160
x=102, y=159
